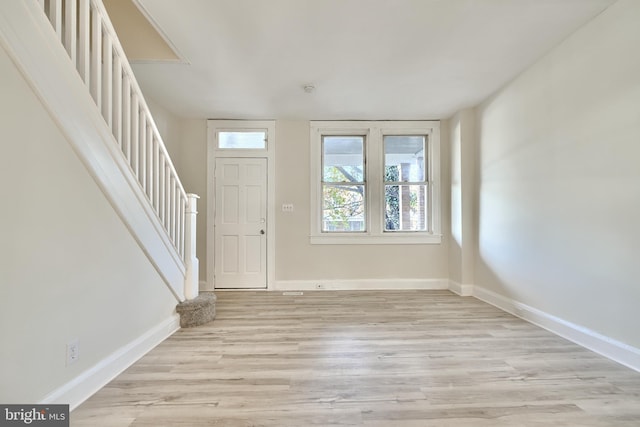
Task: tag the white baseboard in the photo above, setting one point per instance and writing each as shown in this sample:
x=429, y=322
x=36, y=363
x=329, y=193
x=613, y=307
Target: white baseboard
x=612, y=349
x=90, y=381
x=361, y=284
x=462, y=290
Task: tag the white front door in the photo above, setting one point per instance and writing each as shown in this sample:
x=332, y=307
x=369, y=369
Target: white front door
x=240, y=223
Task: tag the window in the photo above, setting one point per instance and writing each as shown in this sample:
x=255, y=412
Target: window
x=239, y=137
x=405, y=184
x=343, y=184
x=242, y=140
x=375, y=182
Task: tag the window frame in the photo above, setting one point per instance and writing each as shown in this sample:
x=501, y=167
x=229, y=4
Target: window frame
x=364, y=183
x=215, y=127
x=424, y=183
x=374, y=132
x=218, y=140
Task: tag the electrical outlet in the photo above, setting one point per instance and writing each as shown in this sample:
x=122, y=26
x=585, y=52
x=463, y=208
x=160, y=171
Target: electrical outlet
x=287, y=207
x=73, y=352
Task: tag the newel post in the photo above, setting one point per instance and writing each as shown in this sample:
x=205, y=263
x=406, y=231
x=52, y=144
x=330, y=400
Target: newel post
x=191, y=282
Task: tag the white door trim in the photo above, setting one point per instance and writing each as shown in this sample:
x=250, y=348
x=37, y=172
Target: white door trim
x=213, y=126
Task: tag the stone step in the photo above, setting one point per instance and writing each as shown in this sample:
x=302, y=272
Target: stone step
x=197, y=311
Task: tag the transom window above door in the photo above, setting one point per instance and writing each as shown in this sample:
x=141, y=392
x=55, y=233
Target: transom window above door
x=375, y=182
x=242, y=140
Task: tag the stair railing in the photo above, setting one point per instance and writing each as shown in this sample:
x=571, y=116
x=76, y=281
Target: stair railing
x=85, y=30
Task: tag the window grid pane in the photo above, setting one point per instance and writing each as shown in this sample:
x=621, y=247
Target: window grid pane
x=343, y=159
x=343, y=208
x=406, y=208
x=343, y=184
x=242, y=140
x=404, y=158
x=405, y=179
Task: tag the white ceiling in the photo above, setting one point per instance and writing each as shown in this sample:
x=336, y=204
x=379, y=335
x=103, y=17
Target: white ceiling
x=368, y=59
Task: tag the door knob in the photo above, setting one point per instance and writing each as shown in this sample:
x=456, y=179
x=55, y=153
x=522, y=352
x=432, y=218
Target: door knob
x=261, y=231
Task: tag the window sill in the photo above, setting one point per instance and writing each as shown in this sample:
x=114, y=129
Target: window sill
x=367, y=239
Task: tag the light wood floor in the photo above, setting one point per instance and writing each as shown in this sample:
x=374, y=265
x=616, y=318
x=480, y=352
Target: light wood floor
x=410, y=358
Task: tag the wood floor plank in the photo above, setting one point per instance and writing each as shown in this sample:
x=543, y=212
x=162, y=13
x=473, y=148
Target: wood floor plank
x=379, y=358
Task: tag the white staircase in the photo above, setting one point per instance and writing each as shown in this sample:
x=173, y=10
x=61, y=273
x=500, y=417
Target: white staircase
x=71, y=56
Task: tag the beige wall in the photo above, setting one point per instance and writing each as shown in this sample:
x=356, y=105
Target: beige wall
x=140, y=40
x=462, y=244
x=192, y=169
x=69, y=268
x=455, y=244
x=186, y=143
x=170, y=128
x=296, y=258
x=559, y=180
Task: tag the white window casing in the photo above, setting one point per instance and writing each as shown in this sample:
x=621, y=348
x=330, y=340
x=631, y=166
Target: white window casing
x=374, y=161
